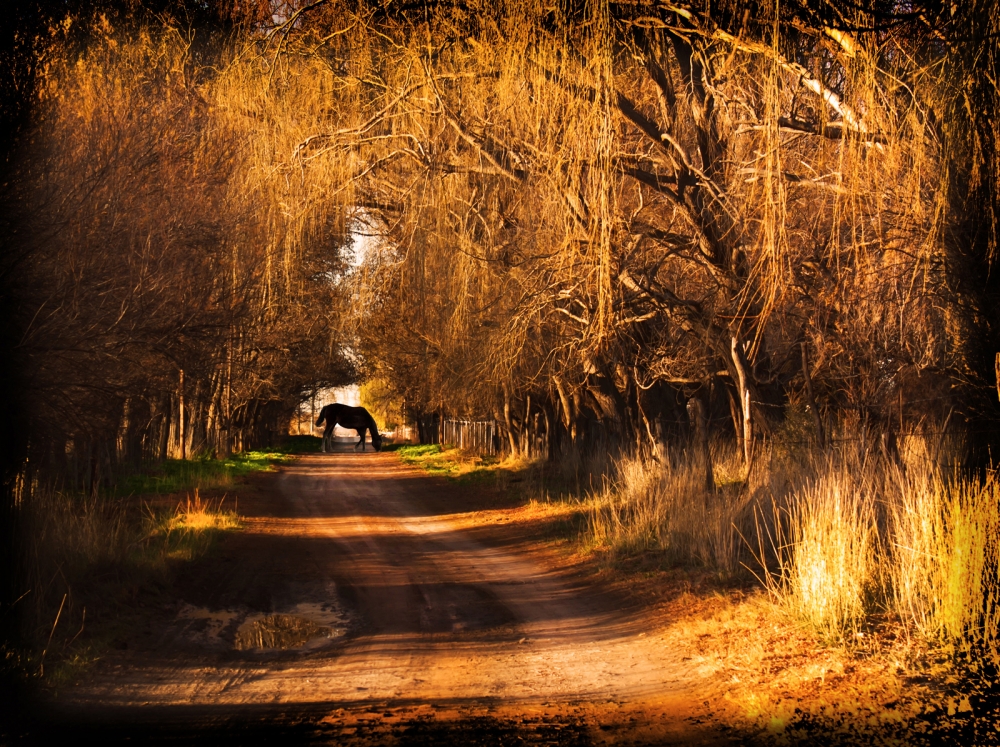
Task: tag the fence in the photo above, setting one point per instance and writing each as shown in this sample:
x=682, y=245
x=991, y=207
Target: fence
x=480, y=437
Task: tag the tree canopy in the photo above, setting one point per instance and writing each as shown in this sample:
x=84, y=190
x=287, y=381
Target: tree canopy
x=579, y=216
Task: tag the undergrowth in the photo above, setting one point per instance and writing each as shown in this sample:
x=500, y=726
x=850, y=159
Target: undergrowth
x=96, y=560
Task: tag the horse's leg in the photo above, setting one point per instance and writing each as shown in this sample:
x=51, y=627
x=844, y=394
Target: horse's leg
x=361, y=441
x=328, y=438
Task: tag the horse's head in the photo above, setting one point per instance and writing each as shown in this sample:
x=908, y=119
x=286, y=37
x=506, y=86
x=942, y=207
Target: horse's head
x=376, y=440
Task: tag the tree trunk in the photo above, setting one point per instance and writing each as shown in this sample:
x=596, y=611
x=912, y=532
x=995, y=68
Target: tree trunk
x=735, y=411
x=744, y=394
x=181, y=424
x=567, y=406
x=697, y=413
x=507, y=421
x=526, y=434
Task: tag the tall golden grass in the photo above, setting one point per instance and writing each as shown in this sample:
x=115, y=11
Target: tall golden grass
x=826, y=534
x=664, y=507
x=944, y=560
x=843, y=540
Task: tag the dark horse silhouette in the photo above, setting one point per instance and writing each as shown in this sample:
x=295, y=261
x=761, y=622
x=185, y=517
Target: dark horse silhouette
x=346, y=416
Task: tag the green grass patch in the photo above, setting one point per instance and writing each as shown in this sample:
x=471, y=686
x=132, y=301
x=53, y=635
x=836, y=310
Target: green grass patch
x=203, y=473
x=411, y=453
x=517, y=480
x=438, y=460
x=453, y=463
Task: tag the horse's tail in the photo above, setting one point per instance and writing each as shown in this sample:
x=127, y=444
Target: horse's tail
x=322, y=417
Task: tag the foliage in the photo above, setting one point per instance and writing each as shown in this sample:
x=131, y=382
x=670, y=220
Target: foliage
x=171, y=306
x=380, y=399
x=573, y=211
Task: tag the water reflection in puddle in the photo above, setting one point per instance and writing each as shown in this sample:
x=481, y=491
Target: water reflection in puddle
x=306, y=626
x=278, y=632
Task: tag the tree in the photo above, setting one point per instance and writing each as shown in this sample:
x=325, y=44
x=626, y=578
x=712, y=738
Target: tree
x=604, y=211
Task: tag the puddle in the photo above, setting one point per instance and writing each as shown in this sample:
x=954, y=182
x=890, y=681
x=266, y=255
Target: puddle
x=305, y=626
x=206, y=626
x=278, y=632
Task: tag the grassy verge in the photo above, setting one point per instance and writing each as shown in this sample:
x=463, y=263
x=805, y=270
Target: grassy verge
x=206, y=473
x=111, y=567
x=518, y=478
x=101, y=565
x=842, y=540
x=449, y=462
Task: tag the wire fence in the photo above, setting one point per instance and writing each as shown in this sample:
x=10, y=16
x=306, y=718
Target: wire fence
x=478, y=436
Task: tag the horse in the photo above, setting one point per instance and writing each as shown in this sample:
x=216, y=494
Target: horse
x=346, y=416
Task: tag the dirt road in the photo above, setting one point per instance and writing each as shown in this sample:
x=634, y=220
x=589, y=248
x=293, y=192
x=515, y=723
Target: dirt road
x=368, y=603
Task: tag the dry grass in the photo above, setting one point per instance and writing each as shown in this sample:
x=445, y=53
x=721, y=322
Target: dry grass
x=649, y=505
x=827, y=559
x=944, y=558
x=93, y=557
x=842, y=541
x=189, y=530
x=198, y=516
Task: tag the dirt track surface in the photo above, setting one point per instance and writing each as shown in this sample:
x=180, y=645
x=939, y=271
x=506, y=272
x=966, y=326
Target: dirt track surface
x=439, y=627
